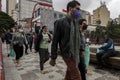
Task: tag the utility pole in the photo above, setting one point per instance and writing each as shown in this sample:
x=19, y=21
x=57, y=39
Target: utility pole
x=19, y=11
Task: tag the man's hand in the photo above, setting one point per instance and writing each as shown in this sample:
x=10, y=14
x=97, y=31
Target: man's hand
x=52, y=62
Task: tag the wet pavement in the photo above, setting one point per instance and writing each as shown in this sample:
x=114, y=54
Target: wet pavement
x=30, y=70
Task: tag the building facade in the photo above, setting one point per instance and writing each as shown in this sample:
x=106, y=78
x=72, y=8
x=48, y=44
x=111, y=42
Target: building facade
x=88, y=18
x=91, y=20
x=10, y=6
x=119, y=19
x=43, y=15
x=15, y=14
x=35, y=11
x=58, y=15
x=101, y=15
x=26, y=8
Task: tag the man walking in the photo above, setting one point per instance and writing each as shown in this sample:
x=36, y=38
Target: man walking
x=67, y=34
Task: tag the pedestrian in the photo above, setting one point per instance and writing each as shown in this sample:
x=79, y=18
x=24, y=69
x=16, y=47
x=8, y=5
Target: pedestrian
x=30, y=41
x=26, y=45
x=8, y=38
x=67, y=35
x=97, y=40
x=35, y=41
x=82, y=66
x=18, y=41
x=42, y=44
x=3, y=37
x=106, y=51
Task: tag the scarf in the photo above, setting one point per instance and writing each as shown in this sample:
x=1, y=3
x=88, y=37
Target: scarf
x=75, y=41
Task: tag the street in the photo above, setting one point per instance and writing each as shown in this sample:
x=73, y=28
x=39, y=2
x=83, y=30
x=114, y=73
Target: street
x=29, y=69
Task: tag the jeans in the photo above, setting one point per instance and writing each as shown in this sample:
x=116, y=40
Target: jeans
x=44, y=56
x=104, y=56
x=82, y=68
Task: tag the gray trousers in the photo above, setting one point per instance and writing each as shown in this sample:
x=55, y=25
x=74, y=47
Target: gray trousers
x=104, y=56
x=44, y=56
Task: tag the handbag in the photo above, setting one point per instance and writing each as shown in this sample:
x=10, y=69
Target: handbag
x=12, y=53
x=99, y=51
x=87, y=56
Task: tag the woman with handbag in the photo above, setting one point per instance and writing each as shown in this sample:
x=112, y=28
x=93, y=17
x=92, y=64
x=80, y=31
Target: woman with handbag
x=18, y=41
x=42, y=44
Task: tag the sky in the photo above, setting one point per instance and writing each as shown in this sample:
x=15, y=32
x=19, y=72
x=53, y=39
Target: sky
x=88, y=5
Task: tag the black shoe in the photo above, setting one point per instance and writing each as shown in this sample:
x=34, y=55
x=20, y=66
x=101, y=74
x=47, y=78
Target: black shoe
x=8, y=55
x=26, y=53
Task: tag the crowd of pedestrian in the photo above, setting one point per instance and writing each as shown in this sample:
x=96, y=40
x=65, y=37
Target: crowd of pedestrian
x=69, y=37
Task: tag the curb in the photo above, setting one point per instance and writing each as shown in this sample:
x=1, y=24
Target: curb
x=1, y=63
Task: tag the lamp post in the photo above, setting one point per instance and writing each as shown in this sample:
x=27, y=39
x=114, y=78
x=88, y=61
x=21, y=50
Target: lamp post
x=19, y=11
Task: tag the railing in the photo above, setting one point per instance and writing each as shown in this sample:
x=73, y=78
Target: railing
x=1, y=63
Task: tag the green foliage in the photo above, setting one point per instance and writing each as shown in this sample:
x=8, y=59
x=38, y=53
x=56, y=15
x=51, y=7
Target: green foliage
x=112, y=29
x=6, y=22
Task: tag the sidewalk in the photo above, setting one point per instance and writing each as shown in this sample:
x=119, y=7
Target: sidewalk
x=30, y=70
x=11, y=73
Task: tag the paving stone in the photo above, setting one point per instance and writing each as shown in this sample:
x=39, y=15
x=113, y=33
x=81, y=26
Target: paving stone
x=29, y=76
x=30, y=70
x=61, y=72
x=36, y=70
x=111, y=78
x=51, y=76
x=20, y=69
x=100, y=71
x=100, y=78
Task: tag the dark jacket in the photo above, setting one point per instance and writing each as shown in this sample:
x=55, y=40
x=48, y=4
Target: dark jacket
x=109, y=44
x=39, y=39
x=8, y=38
x=61, y=36
x=83, y=42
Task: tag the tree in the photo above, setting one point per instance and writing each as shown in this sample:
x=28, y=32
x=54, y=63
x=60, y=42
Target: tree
x=113, y=30
x=6, y=22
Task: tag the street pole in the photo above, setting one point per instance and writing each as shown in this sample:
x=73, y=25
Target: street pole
x=19, y=9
